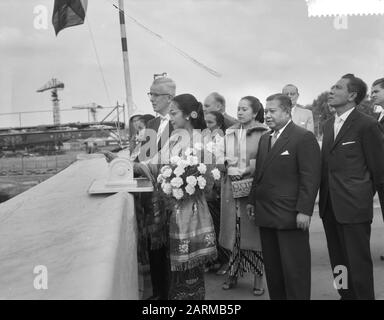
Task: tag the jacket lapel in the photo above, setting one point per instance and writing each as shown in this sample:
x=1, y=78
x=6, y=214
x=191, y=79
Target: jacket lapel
x=156, y=124
x=329, y=133
x=344, y=129
x=165, y=135
x=382, y=119
x=278, y=146
x=262, y=154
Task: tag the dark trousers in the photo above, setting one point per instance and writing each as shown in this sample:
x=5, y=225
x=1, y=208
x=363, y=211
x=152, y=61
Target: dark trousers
x=160, y=271
x=287, y=263
x=349, y=246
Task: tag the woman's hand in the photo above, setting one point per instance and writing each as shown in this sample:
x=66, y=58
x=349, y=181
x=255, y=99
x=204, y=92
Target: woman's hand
x=235, y=173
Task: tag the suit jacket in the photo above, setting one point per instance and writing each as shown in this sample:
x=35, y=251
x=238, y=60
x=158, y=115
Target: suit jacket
x=228, y=121
x=352, y=167
x=303, y=118
x=381, y=121
x=154, y=124
x=286, y=179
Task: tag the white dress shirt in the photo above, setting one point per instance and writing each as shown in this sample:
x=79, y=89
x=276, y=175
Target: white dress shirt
x=164, y=120
x=339, y=121
x=381, y=115
x=280, y=131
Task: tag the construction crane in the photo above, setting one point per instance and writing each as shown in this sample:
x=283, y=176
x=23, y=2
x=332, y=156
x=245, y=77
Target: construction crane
x=92, y=109
x=54, y=85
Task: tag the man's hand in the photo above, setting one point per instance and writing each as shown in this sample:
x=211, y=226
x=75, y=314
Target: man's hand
x=251, y=211
x=109, y=156
x=303, y=221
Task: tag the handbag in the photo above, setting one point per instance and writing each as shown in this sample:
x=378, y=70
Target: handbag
x=241, y=188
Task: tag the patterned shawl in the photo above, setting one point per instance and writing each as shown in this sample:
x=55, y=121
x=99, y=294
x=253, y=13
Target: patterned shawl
x=192, y=236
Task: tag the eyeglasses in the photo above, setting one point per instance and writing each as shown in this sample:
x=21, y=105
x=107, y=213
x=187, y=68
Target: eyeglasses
x=155, y=95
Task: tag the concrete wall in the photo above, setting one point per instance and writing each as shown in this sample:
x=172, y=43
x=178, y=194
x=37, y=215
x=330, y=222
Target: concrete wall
x=87, y=243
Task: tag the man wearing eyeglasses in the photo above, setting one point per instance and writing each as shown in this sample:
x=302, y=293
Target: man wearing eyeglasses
x=161, y=92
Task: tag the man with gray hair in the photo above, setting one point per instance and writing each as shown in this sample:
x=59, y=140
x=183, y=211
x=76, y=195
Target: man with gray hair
x=300, y=116
x=216, y=102
x=161, y=93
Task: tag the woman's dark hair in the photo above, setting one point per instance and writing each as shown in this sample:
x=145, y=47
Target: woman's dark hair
x=146, y=118
x=187, y=103
x=219, y=119
x=132, y=130
x=257, y=107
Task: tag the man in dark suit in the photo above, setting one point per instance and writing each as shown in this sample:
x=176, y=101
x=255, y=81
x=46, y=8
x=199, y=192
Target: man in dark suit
x=282, y=199
x=216, y=102
x=377, y=96
x=158, y=129
x=352, y=167
x=158, y=132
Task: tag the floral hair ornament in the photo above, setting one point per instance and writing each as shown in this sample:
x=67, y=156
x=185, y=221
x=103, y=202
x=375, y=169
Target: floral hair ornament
x=194, y=115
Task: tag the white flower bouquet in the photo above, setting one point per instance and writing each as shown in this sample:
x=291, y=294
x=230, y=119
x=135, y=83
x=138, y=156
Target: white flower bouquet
x=186, y=177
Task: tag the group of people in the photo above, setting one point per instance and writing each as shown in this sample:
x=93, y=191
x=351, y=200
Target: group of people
x=266, y=229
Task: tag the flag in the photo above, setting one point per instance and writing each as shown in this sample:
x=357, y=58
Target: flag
x=68, y=13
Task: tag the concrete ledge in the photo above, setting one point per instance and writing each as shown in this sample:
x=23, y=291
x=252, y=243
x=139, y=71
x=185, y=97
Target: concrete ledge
x=87, y=243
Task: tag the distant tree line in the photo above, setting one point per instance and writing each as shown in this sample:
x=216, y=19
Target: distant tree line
x=322, y=112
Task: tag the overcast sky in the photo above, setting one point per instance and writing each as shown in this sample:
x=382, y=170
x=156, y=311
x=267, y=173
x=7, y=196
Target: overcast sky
x=257, y=45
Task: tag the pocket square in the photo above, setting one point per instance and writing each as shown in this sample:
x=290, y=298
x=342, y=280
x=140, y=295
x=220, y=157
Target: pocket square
x=350, y=142
x=285, y=153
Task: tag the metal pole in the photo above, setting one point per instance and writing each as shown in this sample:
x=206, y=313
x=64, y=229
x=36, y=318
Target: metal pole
x=124, y=45
x=125, y=120
x=20, y=118
x=118, y=118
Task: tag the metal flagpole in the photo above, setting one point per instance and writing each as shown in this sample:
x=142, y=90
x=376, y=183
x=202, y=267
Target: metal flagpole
x=124, y=45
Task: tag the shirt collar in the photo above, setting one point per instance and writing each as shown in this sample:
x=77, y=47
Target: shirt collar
x=280, y=131
x=381, y=116
x=166, y=117
x=344, y=116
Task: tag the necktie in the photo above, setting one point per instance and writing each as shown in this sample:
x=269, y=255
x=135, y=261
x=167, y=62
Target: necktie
x=274, y=138
x=163, y=123
x=338, y=124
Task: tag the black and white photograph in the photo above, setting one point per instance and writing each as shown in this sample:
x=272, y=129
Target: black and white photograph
x=194, y=150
